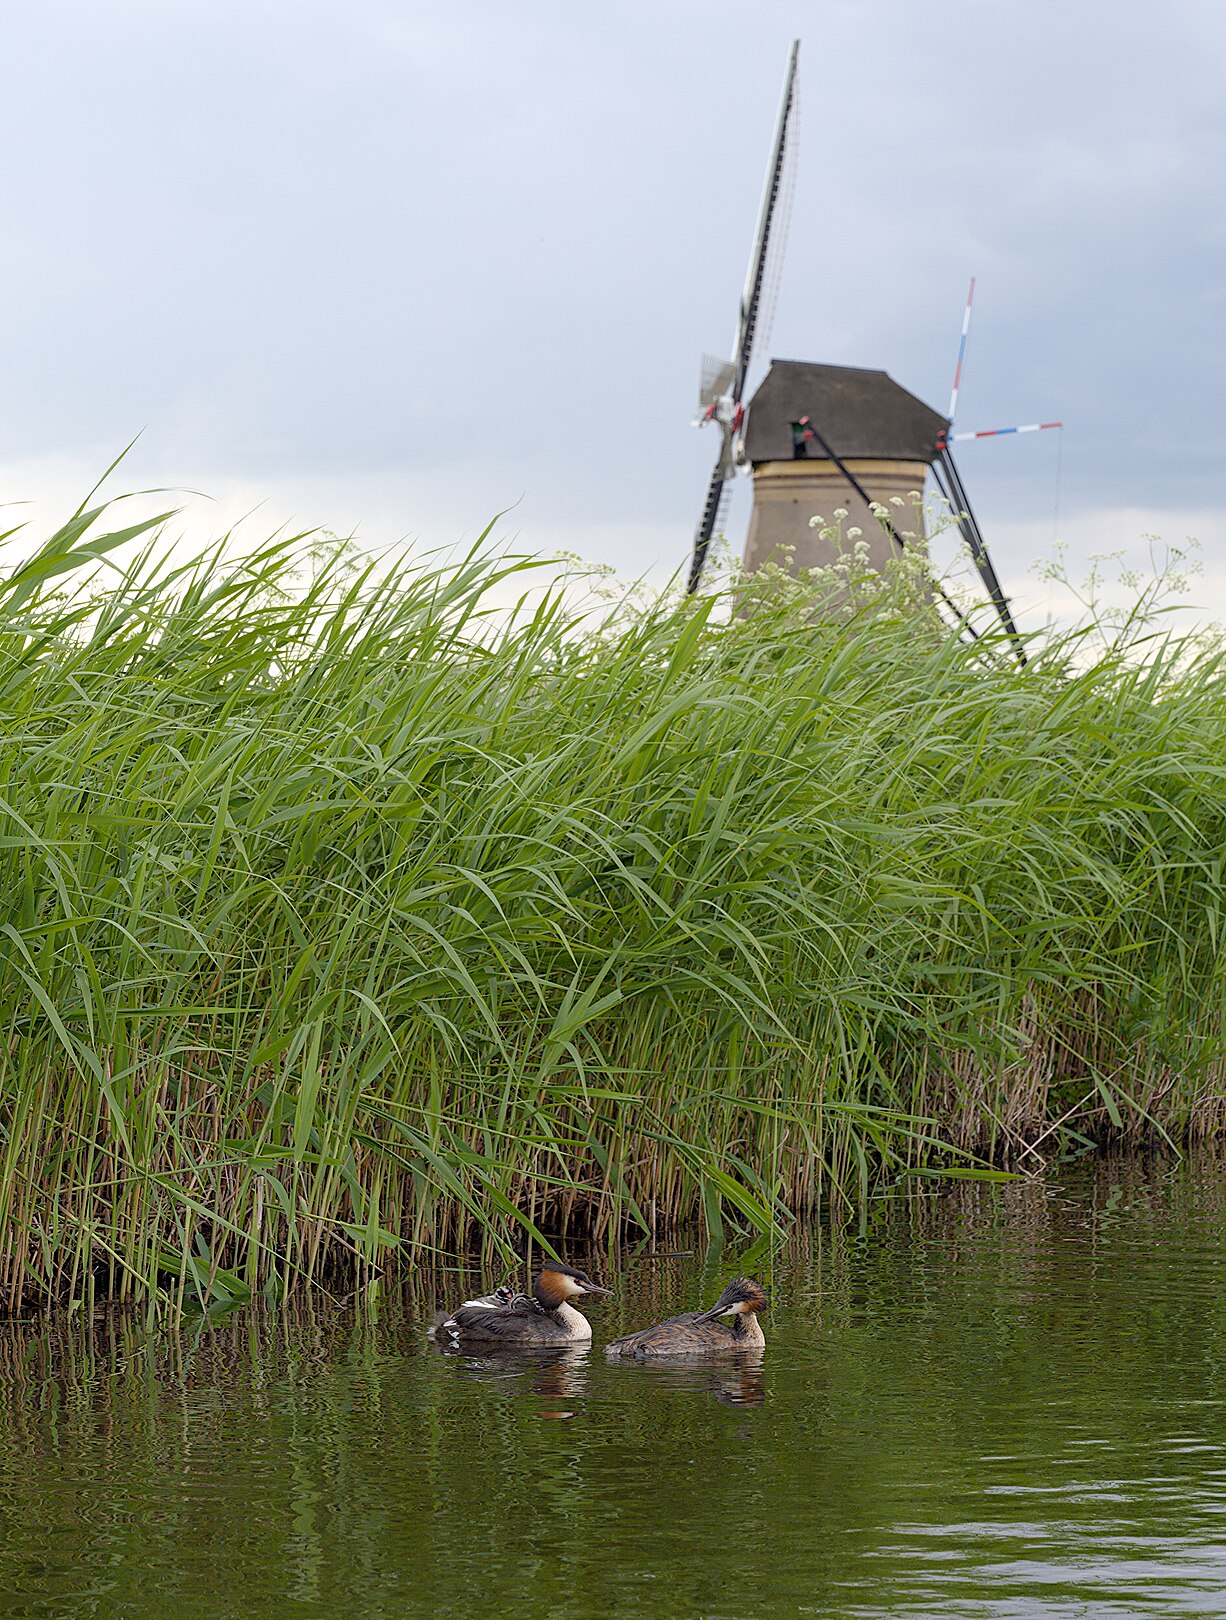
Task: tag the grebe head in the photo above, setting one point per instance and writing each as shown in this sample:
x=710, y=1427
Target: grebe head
x=744, y=1297
x=557, y=1284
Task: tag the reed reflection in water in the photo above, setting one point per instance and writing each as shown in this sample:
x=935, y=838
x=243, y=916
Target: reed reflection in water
x=990, y=1403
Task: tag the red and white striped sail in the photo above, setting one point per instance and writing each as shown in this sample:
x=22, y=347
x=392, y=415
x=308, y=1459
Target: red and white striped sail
x=966, y=327
x=996, y=433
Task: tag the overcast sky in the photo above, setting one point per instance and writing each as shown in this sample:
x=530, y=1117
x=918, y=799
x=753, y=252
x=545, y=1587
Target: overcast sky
x=394, y=267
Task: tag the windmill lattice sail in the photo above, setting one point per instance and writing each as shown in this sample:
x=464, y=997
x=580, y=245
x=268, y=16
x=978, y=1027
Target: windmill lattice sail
x=725, y=407
x=717, y=379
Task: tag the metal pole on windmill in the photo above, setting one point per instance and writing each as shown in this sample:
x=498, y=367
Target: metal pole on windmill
x=949, y=481
x=883, y=517
x=726, y=408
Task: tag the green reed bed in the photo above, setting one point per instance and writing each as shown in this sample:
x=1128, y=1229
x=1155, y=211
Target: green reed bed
x=351, y=918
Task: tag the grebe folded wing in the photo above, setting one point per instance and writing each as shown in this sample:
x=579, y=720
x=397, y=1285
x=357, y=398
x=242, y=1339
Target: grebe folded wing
x=476, y=1319
x=671, y=1337
x=698, y=1333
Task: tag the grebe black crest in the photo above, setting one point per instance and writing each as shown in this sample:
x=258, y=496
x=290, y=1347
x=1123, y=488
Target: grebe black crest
x=700, y=1333
x=542, y=1318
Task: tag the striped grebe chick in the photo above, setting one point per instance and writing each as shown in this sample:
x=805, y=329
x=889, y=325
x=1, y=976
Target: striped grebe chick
x=698, y=1333
x=539, y=1319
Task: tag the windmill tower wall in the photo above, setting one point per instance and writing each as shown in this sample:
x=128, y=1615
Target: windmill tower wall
x=787, y=495
x=884, y=436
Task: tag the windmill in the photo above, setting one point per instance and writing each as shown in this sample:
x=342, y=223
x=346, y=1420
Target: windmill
x=867, y=431
x=823, y=437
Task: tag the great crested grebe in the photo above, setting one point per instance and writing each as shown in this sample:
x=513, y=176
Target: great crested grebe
x=697, y=1333
x=538, y=1320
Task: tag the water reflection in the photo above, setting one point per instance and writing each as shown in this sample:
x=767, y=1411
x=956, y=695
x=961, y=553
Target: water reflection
x=743, y=1385
x=735, y=1380
x=996, y=1402
x=561, y=1375
x=558, y=1374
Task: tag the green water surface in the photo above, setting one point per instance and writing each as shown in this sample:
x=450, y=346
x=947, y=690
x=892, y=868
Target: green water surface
x=995, y=1402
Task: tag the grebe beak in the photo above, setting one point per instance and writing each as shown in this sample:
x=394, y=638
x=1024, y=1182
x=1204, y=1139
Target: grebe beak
x=716, y=1310
x=595, y=1288
x=731, y=1300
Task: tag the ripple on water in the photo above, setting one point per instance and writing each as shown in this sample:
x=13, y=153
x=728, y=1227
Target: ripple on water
x=1002, y=1402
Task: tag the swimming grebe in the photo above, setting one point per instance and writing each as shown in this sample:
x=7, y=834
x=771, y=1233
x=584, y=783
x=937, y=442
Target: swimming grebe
x=541, y=1318
x=697, y=1333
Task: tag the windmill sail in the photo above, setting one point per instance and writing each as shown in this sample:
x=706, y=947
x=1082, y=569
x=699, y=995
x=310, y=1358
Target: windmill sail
x=953, y=490
x=725, y=408
x=717, y=379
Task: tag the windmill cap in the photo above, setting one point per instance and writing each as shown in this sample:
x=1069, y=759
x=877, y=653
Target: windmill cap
x=862, y=414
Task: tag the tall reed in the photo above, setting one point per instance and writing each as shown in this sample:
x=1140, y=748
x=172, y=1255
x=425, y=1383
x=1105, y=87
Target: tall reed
x=353, y=916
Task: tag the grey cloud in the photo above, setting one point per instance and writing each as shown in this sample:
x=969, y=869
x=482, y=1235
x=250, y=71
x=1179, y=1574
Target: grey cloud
x=486, y=246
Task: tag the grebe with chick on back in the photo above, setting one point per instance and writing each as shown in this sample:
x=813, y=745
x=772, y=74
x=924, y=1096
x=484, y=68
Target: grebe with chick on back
x=537, y=1320
x=698, y=1333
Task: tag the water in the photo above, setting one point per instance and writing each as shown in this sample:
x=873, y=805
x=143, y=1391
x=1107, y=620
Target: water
x=990, y=1403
